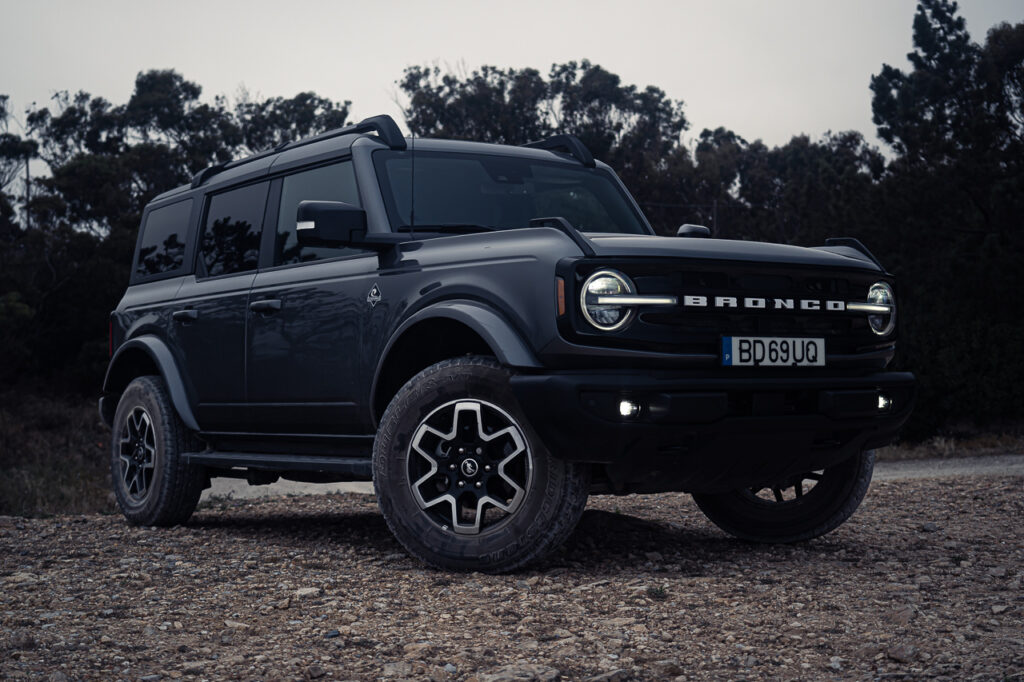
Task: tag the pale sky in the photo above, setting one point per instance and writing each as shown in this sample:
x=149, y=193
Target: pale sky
x=765, y=69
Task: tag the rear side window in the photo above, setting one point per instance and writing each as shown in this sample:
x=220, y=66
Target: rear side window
x=162, y=247
x=336, y=182
x=231, y=232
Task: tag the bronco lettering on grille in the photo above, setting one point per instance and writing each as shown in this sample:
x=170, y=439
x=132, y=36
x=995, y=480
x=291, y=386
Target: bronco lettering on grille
x=762, y=303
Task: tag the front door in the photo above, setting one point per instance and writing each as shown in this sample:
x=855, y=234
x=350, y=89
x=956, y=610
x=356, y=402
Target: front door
x=308, y=316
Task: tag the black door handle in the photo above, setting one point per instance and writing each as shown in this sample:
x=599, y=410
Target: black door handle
x=186, y=315
x=267, y=305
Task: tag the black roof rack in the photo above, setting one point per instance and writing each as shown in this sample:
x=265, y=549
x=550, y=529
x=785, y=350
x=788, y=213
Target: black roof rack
x=385, y=127
x=566, y=143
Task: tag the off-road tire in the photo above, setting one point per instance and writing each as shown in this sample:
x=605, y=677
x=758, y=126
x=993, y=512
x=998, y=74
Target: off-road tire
x=555, y=494
x=821, y=510
x=172, y=490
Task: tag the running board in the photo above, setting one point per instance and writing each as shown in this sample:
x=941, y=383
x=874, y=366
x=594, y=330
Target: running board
x=360, y=468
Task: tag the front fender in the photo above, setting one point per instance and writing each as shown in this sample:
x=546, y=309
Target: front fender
x=160, y=354
x=507, y=345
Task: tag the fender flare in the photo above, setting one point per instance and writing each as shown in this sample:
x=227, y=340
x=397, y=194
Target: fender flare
x=161, y=355
x=497, y=333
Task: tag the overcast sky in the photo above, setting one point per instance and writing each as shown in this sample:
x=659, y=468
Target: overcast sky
x=766, y=69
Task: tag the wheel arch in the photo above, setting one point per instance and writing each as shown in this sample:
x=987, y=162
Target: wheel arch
x=141, y=356
x=439, y=332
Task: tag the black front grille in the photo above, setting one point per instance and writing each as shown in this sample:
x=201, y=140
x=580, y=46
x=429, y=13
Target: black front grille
x=691, y=329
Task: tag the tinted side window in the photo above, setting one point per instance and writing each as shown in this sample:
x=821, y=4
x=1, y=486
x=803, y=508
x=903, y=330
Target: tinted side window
x=163, y=239
x=336, y=182
x=231, y=234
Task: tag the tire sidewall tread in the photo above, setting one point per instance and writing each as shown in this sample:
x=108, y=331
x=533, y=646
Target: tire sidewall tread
x=548, y=514
x=176, y=485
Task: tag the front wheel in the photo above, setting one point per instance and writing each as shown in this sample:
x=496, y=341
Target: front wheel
x=802, y=507
x=461, y=478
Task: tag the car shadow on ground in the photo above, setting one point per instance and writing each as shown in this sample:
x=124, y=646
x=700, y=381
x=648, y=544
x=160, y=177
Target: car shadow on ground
x=603, y=543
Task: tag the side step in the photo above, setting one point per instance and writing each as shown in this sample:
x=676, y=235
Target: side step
x=358, y=468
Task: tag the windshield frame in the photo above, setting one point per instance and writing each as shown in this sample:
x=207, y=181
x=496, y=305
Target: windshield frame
x=397, y=224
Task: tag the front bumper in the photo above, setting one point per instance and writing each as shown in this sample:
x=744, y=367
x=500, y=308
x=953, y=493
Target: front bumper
x=709, y=432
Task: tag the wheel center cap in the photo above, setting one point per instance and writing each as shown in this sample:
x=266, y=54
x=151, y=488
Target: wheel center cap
x=469, y=467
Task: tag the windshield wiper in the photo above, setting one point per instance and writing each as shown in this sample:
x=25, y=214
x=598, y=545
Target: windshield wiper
x=449, y=228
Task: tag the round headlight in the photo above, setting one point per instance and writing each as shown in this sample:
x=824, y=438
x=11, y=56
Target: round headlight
x=880, y=293
x=606, y=317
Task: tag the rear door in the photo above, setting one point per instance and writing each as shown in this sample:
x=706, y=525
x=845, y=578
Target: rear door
x=211, y=307
x=308, y=314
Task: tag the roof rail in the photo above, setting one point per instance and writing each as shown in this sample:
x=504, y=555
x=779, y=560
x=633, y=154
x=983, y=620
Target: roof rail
x=566, y=143
x=385, y=127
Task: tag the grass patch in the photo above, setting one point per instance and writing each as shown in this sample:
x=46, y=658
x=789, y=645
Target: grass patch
x=54, y=456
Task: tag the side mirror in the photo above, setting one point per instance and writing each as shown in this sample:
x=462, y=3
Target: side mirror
x=329, y=223
x=689, y=230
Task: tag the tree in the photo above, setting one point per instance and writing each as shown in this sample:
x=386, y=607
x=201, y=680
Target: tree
x=60, y=279
x=635, y=130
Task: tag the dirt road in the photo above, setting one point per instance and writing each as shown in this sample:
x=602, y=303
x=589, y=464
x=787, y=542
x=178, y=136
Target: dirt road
x=924, y=581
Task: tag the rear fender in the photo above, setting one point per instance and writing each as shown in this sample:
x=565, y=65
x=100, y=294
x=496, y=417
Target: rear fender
x=120, y=373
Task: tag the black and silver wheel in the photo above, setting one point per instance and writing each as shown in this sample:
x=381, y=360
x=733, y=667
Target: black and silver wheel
x=153, y=484
x=798, y=508
x=462, y=479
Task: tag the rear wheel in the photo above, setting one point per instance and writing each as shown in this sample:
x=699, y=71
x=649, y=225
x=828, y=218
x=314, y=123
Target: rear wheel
x=153, y=483
x=461, y=478
x=802, y=507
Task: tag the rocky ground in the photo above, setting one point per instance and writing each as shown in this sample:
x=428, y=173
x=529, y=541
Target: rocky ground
x=924, y=581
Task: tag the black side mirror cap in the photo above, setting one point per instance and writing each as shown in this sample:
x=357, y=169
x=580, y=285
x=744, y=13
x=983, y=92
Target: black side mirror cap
x=329, y=223
x=689, y=230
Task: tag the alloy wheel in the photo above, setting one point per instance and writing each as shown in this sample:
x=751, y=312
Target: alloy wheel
x=470, y=466
x=137, y=454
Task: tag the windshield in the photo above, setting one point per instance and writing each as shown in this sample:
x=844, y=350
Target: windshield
x=500, y=192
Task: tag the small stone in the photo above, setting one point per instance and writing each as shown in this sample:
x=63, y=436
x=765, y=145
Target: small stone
x=58, y=676
x=749, y=661
x=999, y=608
x=304, y=592
x=904, y=653
x=23, y=640
x=235, y=625
x=397, y=669
x=417, y=649
x=314, y=672
x=526, y=672
x=155, y=677
x=149, y=630
x=331, y=634
x=667, y=668
x=902, y=616
x=997, y=572
x=23, y=578
x=450, y=669
x=654, y=556
x=929, y=527
x=619, y=675
x=283, y=604
x=835, y=663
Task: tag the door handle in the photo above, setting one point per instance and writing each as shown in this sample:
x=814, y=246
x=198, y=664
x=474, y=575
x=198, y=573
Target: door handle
x=267, y=305
x=186, y=315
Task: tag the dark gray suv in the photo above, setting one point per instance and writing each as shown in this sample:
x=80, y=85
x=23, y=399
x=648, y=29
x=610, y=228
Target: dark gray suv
x=490, y=333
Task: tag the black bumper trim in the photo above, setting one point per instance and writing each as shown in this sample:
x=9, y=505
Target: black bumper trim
x=711, y=433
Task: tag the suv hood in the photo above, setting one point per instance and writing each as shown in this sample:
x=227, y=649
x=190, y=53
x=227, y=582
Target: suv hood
x=612, y=245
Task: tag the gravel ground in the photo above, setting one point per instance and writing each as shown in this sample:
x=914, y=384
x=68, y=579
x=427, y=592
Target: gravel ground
x=924, y=581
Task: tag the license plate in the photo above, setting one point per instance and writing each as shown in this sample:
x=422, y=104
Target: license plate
x=760, y=351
